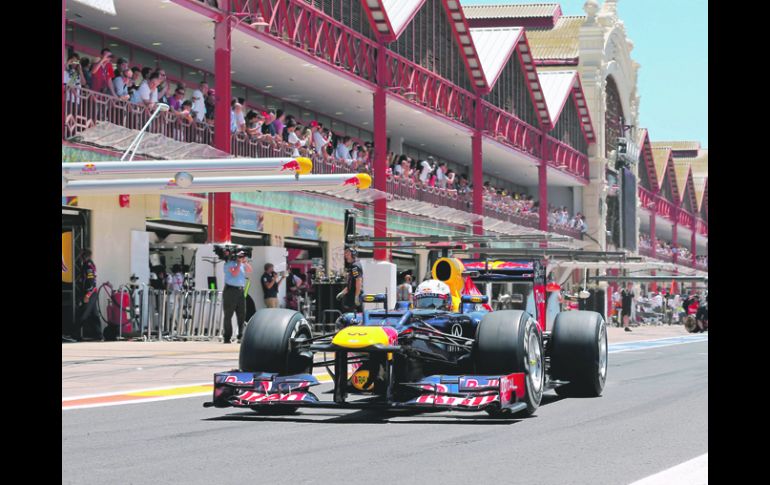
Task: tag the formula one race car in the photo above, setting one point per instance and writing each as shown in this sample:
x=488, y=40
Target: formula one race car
x=451, y=352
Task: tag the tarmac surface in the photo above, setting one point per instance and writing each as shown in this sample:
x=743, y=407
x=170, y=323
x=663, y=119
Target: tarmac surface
x=652, y=416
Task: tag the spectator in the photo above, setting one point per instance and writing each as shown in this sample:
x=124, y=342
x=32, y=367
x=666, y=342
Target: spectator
x=450, y=179
x=343, y=150
x=133, y=87
x=254, y=122
x=198, y=103
x=148, y=91
x=185, y=110
x=425, y=169
x=102, y=73
x=146, y=71
x=85, y=64
x=162, y=87
x=73, y=78
x=210, y=103
x=122, y=65
x=278, y=122
x=175, y=102
x=319, y=140
x=236, y=114
x=121, y=83
x=441, y=179
x=268, y=128
x=293, y=140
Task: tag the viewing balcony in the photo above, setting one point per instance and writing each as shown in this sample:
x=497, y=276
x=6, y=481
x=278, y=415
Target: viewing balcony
x=86, y=108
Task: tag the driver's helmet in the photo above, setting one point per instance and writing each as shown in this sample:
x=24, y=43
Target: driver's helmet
x=433, y=294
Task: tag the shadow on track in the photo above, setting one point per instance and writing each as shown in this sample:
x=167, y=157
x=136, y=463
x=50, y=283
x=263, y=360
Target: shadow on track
x=369, y=416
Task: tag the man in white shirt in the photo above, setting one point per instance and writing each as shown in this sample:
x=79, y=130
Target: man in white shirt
x=318, y=140
x=148, y=91
x=425, y=168
x=293, y=139
x=199, y=103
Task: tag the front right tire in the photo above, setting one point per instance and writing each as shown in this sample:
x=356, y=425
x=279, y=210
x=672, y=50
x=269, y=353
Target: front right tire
x=509, y=341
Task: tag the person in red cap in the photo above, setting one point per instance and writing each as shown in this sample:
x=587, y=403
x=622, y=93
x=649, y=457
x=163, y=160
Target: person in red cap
x=319, y=141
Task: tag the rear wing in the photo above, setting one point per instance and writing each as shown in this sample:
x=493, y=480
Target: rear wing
x=503, y=270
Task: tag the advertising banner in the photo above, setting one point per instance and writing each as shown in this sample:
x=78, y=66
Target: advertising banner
x=307, y=229
x=182, y=210
x=247, y=219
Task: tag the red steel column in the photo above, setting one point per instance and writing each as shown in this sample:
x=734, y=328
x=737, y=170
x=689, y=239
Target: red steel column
x=219, y=203
x=542, y=182
x=380, y=152
x=674, y=235
x=693, y=246
x=653, y=241
x=478, y=168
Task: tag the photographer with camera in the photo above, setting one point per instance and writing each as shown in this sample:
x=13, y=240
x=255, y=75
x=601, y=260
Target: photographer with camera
x=270, y=281
x=233, y=296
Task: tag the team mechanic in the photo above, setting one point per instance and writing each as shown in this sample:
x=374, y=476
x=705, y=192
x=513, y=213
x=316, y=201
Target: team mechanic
x=351, y=295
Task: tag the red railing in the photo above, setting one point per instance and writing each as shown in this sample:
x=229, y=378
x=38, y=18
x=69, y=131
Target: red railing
x=646, y=198
x=701, y=227
x=646, y=252
x=665, y=208
x=426, y=88
x=564, y=157
x=508, y=129
x=685, y=218
x=84, y=108
x=305, y=28
x=701, y=266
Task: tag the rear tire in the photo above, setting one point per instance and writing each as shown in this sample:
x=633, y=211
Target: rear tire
x=266, y=343
x=579, y=353
x=509, y=341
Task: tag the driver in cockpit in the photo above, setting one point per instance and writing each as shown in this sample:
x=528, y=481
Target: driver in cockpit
x=433, y=295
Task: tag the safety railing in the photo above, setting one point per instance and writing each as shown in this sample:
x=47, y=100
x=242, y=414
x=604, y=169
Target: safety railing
x=685, y=218
x=426, y=88
x=305, y=28
x=665, y=208
x=510, y=130
x=564, y=157
x=184, y=315
x=646, y=198
x=701, y=227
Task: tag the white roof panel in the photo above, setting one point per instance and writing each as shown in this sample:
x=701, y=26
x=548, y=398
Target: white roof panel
x=400, y=11
x=556, y=87
x=494, y=46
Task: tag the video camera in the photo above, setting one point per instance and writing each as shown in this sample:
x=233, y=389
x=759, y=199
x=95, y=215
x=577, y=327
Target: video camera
x=229, y=252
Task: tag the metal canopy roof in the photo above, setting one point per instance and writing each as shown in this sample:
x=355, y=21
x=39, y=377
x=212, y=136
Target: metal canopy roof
x=389, y=18
x=494, y=47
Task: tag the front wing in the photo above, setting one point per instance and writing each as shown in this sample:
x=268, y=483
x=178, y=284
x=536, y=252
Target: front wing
x=437, y=392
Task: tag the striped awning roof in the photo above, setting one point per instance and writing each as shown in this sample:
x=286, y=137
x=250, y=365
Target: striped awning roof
x=678, y=145
x=660, y=157
x=494, y=47
x=559, y=43
x=511, y=11
x=557, y=88
x=390, y=17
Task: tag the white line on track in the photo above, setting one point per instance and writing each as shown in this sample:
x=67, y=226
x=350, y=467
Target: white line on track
x=691, y=472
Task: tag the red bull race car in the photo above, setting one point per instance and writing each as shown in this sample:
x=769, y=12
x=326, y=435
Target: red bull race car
x=449, y=352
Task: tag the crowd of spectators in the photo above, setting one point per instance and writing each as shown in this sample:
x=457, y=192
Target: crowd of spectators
x=669, y=249
x=148, y=87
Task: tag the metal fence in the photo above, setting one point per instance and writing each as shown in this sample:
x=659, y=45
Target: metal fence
x=182, y=315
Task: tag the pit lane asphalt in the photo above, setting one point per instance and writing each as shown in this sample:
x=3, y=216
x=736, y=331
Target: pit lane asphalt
x=652, y=415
